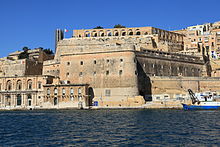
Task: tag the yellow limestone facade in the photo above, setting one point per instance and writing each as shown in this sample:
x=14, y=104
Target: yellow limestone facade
x=143, y=67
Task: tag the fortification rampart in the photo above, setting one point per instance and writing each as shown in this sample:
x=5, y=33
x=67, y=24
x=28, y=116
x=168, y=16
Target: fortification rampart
x=180, y=85
x=146, y=37
x=20, y=67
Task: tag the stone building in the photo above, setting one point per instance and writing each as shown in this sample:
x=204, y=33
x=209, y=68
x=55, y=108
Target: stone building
x=116, y=63
x=101, y=67
x=22, y=91
x=22, y=85
x=204, y=41
x=65, y=95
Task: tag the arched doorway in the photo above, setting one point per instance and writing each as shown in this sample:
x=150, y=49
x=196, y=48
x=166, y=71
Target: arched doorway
x=55, y=101
x=18, y=100
x=91, y=96
x=29, y=100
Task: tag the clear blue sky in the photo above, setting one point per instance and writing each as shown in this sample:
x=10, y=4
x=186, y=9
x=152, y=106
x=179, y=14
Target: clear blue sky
x=32, y=22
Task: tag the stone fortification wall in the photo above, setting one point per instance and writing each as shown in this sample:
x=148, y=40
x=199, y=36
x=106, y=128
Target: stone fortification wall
x=110, y=75
x=51, y=67
x=180, y=85
x=12, y=68
x=138, y=31
x=33, y=67
x=155, y=63
x=69, y=46
x=96, y=40
x=20, y=67
x=171, y=92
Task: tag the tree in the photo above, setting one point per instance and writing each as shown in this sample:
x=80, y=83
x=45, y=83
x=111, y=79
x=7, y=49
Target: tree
x=119, y=26
x=25, y=49
x=41, y=48
x=24, y=54
x=98, y=27
x=48, y=51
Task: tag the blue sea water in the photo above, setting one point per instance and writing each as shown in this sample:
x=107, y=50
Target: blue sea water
x=110, y=128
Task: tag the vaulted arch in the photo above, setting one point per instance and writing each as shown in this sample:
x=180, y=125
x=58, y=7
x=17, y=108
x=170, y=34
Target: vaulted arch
x=9, y=85
x=19, y=85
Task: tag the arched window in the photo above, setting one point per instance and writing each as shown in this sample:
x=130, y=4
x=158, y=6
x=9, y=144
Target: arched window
x=19, y=85
x=102, y=34
x=145, y=33
x=130, y=33
x=109, y=33
x=138, y=33
x=29, y=84
x=9, y=85
x=87, y=34
x=116, y=33
x=123, y=33
x=55, y=91
x=95, y=34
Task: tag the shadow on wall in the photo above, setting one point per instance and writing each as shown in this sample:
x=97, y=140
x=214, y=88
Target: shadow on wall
x=144, y=83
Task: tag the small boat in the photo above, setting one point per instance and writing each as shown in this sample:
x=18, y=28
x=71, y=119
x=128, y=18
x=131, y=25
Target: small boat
x=202, y=101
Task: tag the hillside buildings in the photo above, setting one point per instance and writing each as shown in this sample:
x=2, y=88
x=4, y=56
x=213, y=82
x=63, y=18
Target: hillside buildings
x=204, y=41
x=106, y=68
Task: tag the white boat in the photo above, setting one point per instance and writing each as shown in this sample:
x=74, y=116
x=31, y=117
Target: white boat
x=202, y=101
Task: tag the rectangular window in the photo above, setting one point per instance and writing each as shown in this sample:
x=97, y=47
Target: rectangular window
x=94, y=61
x=48, y=91
x=136, y=73
x=80, y=74
x=135, y=60
x=39, y=85
x=64, y=91
x=81, y=62
x=120, y=72
x=30, y=86
x=55, y=91
x=212, y=43
x=79, y=91
x=107, y=72
x=71, y=91
x=67, y=74
x=107, y=92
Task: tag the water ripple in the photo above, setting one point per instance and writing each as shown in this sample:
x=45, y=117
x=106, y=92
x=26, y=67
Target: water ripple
x=110, y=128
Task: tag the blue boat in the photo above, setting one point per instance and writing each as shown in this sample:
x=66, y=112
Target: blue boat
x=202, y=106
x=201, y=101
